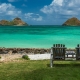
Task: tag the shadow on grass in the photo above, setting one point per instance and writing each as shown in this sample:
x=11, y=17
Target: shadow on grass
x=64, y=65
x=71, y=64
x=44, y=74
x=56, y=73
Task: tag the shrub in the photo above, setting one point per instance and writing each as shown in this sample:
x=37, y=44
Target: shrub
x=25, y=57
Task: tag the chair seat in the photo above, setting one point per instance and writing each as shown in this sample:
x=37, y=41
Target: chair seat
x=59, y=57
x=70, y=53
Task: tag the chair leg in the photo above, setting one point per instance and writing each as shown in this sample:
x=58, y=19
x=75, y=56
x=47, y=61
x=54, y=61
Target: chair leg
x=51, y=61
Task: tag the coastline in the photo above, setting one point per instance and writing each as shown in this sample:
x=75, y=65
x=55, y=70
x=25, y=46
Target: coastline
x=24, y=50
x=4, y=50
x=13, y=54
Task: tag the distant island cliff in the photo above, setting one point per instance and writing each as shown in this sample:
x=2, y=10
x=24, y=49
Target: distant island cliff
x=72, y=22
x=15, y=22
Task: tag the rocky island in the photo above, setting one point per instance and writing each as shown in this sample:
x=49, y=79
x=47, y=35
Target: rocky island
x=15, y=22
x=72, y=22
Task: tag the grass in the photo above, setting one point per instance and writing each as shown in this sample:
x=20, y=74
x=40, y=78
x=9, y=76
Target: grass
x=40, y=70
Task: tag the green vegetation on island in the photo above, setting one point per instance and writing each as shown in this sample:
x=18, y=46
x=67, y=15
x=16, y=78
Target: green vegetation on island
x=17, y=21
x=72, y=22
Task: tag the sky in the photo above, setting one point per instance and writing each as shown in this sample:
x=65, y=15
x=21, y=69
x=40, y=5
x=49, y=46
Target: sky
x=40, y=12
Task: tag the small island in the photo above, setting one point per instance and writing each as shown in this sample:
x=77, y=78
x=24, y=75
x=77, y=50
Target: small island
x=15, y=22
x=72, y=22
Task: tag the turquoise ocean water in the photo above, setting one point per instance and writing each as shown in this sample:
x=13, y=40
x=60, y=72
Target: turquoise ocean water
x=39, y=36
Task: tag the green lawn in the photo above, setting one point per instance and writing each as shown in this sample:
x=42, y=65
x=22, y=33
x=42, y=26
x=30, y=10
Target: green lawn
x=40, y=70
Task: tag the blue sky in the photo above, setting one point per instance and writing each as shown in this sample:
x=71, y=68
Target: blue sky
x=40, y=12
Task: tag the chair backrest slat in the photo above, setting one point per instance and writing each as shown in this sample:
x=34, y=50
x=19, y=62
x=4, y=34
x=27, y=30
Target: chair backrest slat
x=78, y=52
x=59, y=52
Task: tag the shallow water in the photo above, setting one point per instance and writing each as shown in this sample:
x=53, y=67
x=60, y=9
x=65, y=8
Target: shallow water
x=39, y=36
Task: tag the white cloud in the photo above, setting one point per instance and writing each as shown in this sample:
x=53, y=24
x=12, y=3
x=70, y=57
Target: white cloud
x=13, y=13
x=33, y=16
x=66, y=7
x=57, y=2
x=38, y=19
x=48, y=9
x=8, y=9
x=28, y=15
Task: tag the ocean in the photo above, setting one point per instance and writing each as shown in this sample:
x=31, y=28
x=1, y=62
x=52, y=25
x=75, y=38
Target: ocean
x=39, y=36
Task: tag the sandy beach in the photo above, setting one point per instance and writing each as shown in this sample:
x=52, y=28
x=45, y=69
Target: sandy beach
x=14, y=57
